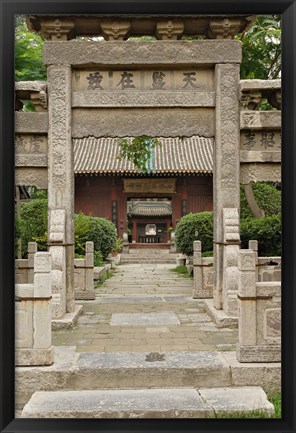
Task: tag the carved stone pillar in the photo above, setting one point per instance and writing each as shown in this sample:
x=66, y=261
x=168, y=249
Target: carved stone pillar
x=61, y=186
x=231, y=238
x=226, y=179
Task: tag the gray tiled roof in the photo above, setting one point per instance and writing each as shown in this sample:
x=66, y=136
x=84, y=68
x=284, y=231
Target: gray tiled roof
x=175, y=155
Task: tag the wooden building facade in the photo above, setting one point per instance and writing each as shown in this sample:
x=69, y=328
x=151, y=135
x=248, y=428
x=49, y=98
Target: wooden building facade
x=178, y=181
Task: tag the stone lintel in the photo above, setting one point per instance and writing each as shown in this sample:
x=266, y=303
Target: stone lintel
x=249, y=156
x=116, y=122
x=31, y=123
x=142, y=99
x=31, y=160
x=260, y=172
x=134, y=53
x=260, y=120
x=247, y=85
x=23, y=89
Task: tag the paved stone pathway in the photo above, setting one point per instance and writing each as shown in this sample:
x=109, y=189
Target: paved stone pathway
x=145, y=307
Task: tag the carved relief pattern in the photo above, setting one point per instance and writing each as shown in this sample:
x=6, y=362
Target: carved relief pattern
x=58, y=128
x=147, y=99
x=57, y=225
x=162, y=52
x=229, y=124
x=31, y=177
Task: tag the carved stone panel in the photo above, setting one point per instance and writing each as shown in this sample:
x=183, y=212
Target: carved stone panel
x=132, y=80
x=260, y=140
x=149, y=121
x=30, y=150
x=31, y=176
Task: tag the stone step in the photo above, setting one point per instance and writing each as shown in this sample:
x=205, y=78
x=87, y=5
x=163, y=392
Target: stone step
x=148, y=403
x=147, y=260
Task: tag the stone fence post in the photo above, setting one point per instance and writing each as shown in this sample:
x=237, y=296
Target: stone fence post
x=33, y=316
x=201, y=278
x=32, y=249
x=125, y=248
x=84, y=274
x=259, y=307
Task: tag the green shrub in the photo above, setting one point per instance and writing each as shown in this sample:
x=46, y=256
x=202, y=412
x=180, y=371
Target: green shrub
x=103, y=234
x=119, y=245
x=186, y=228
x=32, y=224
x=267, y=231
x=267, y=197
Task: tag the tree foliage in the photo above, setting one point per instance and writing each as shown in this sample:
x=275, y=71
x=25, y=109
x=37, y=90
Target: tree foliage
x=139, y=150
x=267, y=197
x=28, y=53
x=261, y=47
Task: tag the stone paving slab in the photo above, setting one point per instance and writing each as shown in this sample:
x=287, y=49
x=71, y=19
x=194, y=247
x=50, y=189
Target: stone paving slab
x=148, y=403
x=164, y=318
x=156, y=403
x=241, y=399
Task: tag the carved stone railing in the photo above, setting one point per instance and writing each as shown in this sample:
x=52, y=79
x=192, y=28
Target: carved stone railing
x=203, y=273
x=84, y=274
x=267, y=268
x=24, y=268
x=259, y=306
x=252, y=92
x=33, y=316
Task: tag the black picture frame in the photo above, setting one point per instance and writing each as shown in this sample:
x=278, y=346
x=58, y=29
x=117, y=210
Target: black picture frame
x=8, y=8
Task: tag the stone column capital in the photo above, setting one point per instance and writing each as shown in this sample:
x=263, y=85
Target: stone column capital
x=58, y=29
x=115, y=30
x=169, y=29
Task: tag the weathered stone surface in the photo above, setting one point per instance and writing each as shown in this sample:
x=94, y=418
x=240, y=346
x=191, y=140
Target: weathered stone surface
x=145, y=319
x=219, y=317
x=142, y=53
x=169, y=29
x=260, y=140
x=68, y=320
x=31, y=176
x=150, y=121
x=156, y=403
x=30, y=150
x=115, y=30
x=138, y=82
x=142, y=99
x=251, y=156
x=226, y=163
x=29, y=86
x=259, y=353
x=245, y=85
x=31, y=123
x=243, y=400
x=260, y=120
x=260, y=172
x=34, y=357
x=61, y=174
x=267, y=375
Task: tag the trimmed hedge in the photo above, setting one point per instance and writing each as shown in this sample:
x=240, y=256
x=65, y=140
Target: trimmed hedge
x=32, y=224
x=185, y=232
x=267, y=231
x=32, y=227
x=267, y=197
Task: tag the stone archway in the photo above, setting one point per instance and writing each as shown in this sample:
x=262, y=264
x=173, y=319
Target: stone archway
x=115, y=97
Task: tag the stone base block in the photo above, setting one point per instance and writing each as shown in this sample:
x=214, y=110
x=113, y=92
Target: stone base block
x=85, y=295
x=34, y=357
x=266, y=375
x=69, y=319
x=202, y=294
x=259, y=353
x=221, y=319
